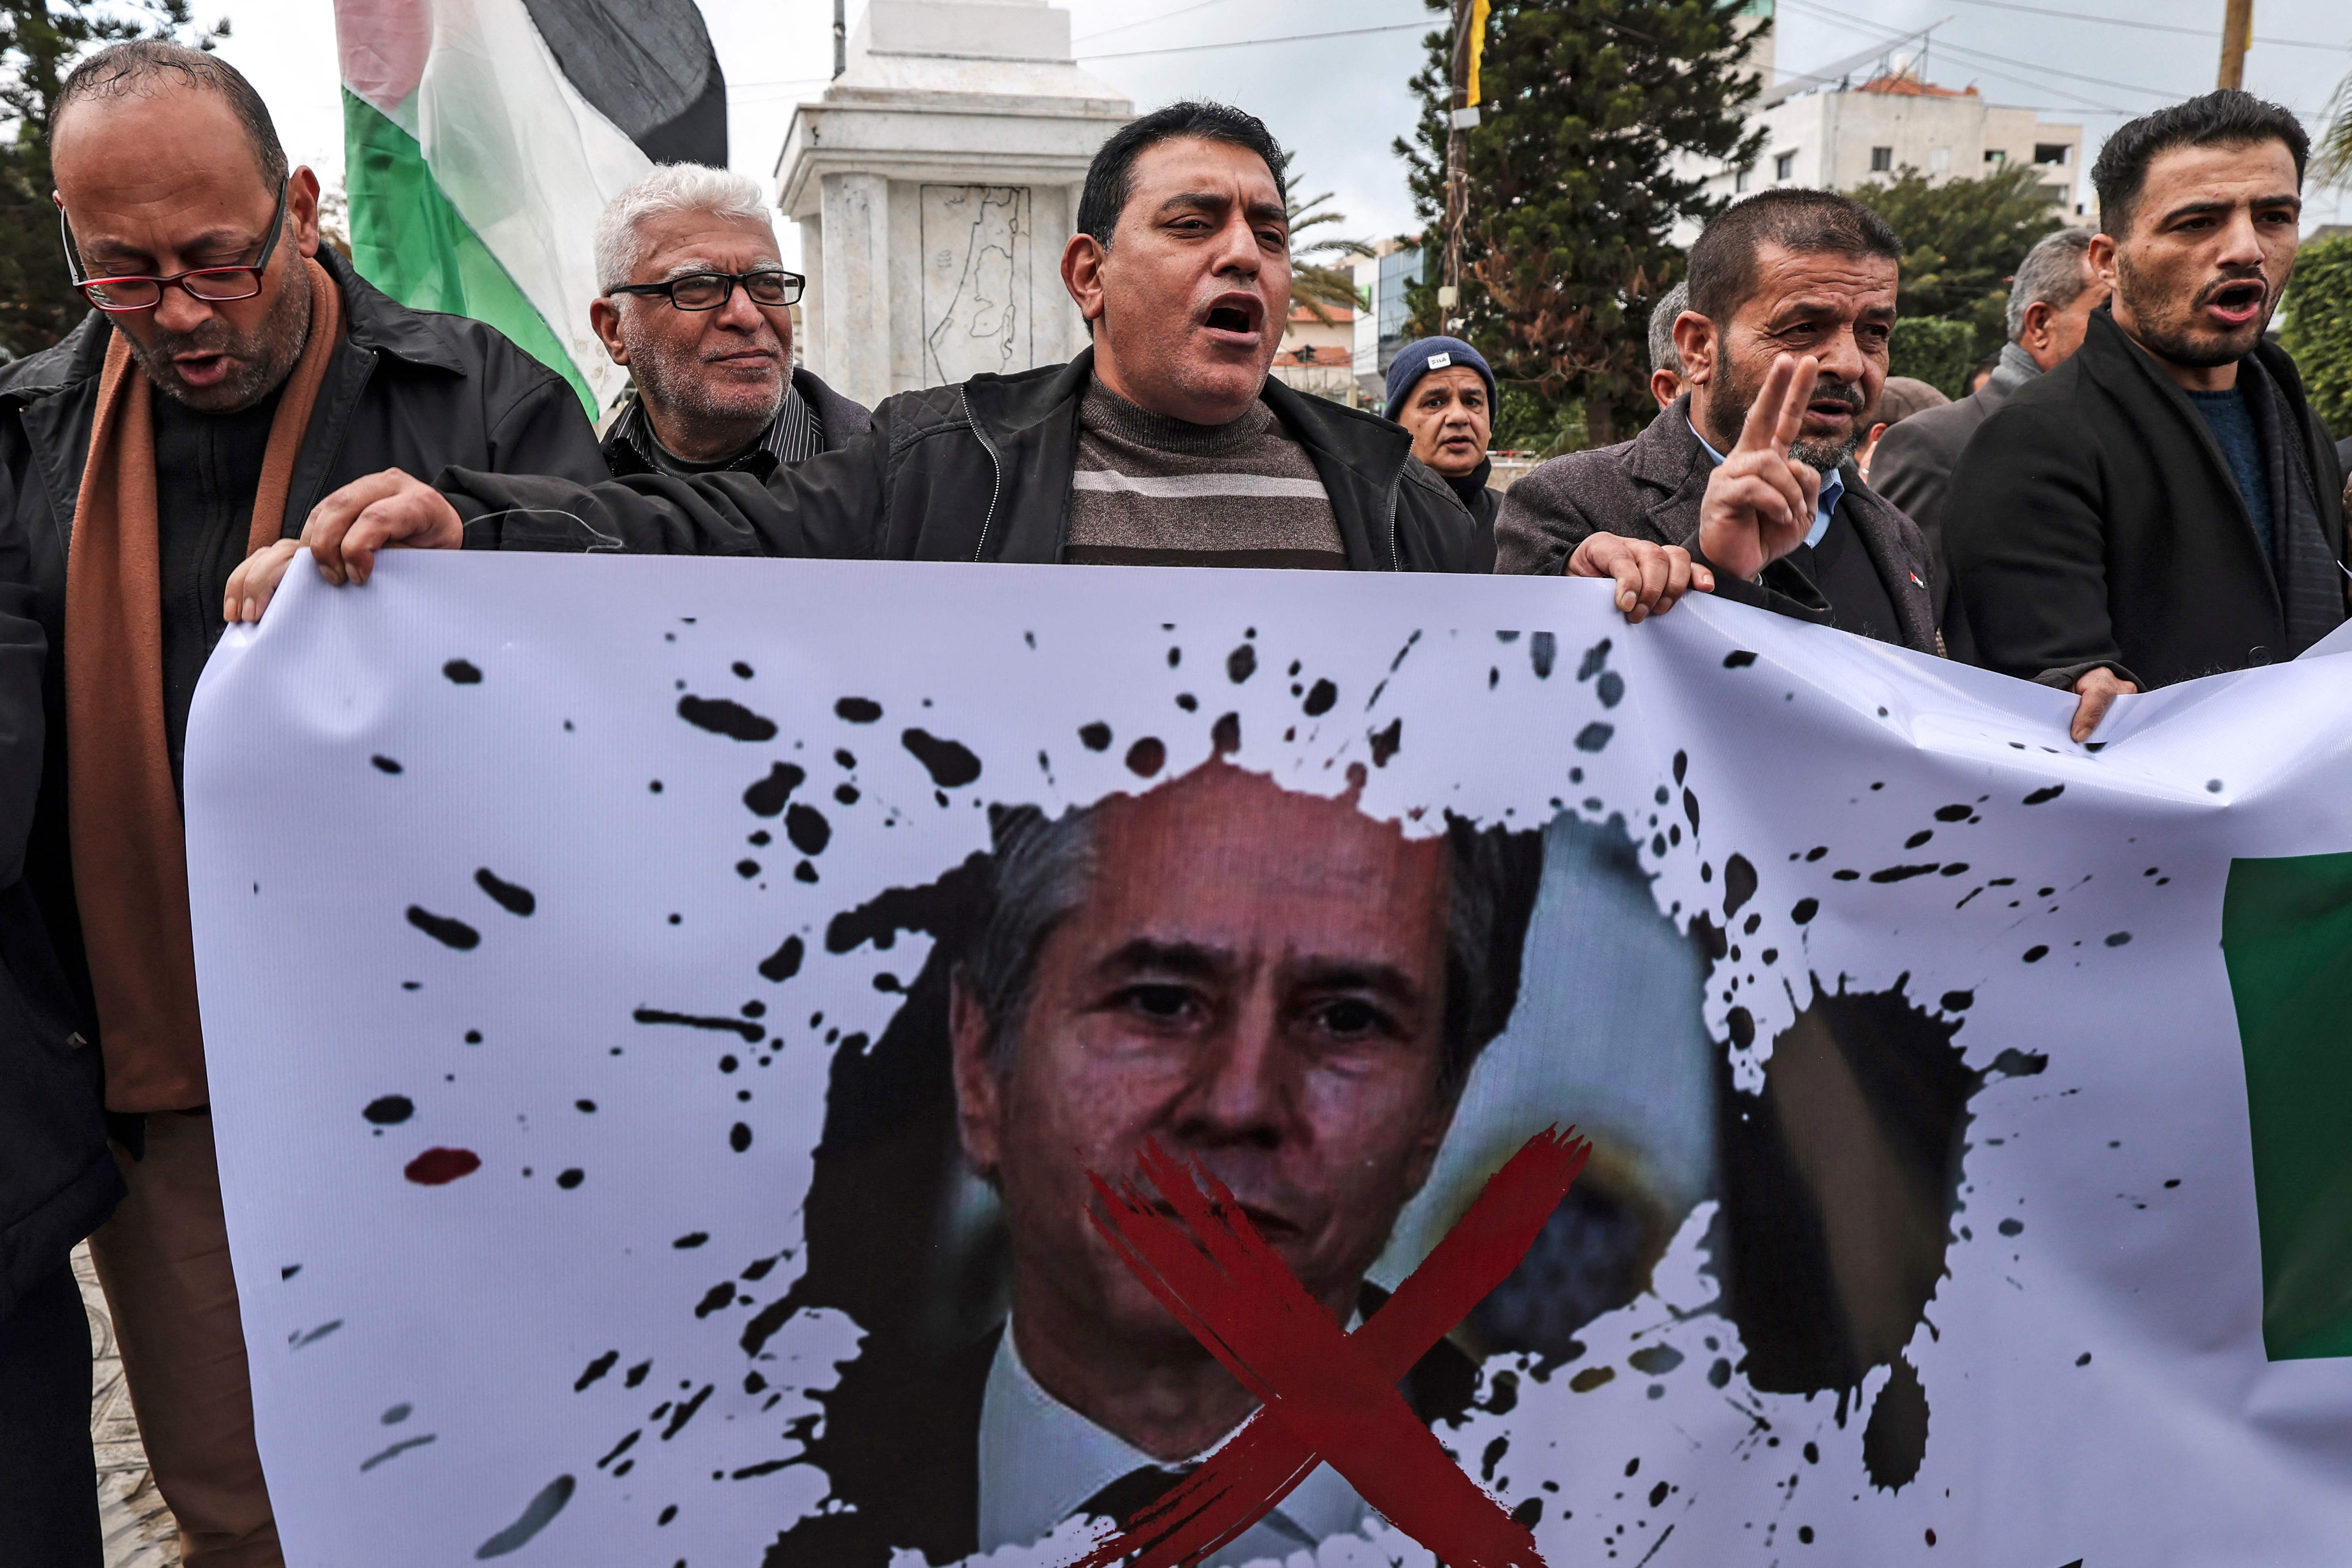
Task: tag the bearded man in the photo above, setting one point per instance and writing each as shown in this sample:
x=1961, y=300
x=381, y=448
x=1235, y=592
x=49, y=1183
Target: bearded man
x=2165, y=504
x=1748, y=480
x=232, y=371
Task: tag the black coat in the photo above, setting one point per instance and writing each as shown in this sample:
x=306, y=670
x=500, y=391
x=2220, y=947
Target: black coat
x=409, y=389
x=56, y=1178
x=2092, y=521
x=978, y=471
x=839, y=421
x=1913, y=468
x=1481, y=503
x=1650, y=487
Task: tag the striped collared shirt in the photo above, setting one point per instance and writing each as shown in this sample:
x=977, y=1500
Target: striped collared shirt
x=793, y=435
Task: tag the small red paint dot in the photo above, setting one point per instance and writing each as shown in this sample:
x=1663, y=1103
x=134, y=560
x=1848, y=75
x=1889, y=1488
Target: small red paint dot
x=437, y=1166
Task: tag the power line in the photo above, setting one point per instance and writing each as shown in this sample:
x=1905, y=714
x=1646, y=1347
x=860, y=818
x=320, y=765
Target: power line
x=2147, y=27
x=1253, y=43
x=1967, y=54
x=1164, y=15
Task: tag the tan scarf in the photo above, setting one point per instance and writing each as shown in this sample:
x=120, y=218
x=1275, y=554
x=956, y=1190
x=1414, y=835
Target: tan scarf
x=129, y=854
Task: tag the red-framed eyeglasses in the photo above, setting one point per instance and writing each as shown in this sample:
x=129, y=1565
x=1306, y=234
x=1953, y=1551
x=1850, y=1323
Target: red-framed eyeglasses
x=212, y=285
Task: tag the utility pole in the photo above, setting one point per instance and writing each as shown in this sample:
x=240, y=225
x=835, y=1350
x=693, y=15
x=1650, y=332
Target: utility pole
x=1459, y=120
x=2237, y=32
x=840, y=36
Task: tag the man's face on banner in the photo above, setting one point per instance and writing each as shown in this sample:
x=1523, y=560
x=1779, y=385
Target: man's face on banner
x=1255, y=979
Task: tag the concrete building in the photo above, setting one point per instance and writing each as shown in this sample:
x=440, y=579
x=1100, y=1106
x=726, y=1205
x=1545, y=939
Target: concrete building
x=935, y=185
x=1380, y=328
x=1318, y=356
x=1874, y=114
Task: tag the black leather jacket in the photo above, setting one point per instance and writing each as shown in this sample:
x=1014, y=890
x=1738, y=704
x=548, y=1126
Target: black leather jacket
x=979, y=471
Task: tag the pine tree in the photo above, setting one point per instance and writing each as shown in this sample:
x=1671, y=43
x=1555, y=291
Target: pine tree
x=1573, y=188
x=1963, y=240
x=40, y=40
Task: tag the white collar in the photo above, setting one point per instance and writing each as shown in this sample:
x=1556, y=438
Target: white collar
x=1039, y=1459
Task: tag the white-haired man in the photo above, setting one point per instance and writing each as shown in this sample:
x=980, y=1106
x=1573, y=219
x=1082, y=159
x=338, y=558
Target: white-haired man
x=697, y=304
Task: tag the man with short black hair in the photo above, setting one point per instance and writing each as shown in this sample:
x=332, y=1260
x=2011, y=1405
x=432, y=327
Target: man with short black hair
x=1746, y=485
x=2165, y=504
x=698, y=305
x=2049, y=305
x=1165, y=442
x=232, y=371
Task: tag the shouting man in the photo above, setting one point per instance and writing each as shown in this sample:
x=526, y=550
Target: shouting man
x=2165, y=504
x=1165, y=442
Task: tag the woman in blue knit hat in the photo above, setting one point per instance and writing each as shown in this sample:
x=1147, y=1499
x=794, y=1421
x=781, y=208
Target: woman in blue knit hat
x=1441, y=390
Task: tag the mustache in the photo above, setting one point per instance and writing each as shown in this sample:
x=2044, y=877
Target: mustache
x=2231, y=281
x=1829, y=390
x=212, y=337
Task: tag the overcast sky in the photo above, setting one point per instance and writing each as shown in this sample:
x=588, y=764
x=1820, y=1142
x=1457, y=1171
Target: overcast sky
x=1341, y=102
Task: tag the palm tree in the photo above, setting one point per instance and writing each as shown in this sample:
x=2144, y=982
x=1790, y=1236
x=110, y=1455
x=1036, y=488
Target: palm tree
x=1320, y=277
x=2331, y=159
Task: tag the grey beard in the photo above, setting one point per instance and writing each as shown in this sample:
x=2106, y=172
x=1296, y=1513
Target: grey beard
x=269, y=355
x=1824, y=460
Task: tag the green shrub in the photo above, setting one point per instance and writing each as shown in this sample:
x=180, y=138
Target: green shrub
x=1935, y=350
x=2318, y=327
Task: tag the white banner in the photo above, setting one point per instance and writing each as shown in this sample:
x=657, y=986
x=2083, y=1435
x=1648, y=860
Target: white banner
x=662, y=1014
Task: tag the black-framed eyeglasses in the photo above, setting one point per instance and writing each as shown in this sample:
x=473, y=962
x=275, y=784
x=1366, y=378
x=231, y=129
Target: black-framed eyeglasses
x=709, y=290
x=212, y=285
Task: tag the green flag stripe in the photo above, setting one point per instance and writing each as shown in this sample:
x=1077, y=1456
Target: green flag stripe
x=2286, y=938
x=408, y=241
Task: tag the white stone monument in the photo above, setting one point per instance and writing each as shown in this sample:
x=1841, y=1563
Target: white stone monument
x=935, y=185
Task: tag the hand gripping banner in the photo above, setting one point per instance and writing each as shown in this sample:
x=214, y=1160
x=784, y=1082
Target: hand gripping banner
x=859, y=1065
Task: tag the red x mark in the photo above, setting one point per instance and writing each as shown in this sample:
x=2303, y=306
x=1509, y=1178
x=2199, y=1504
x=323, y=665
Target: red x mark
x=1329, y=1396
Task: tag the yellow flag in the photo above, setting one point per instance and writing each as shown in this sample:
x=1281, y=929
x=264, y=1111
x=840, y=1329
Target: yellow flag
x=1477, y=45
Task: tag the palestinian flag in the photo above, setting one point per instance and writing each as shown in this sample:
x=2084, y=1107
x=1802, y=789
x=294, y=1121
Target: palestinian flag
x=483, y=138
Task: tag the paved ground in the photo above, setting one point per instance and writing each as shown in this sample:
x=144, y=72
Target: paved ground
x=140, y=1533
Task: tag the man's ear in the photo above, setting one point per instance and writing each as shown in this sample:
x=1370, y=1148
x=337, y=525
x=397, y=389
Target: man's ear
x=1695, y=342
x=980, y=1092
x=302, y=209
x=604, y=321
x=2036, y=329
x=1082, y=267
x=2100, y=257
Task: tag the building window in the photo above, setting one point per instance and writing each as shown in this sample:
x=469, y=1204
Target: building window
x=1996, y=157
x=1939, y=160
x=2054, y=194
x=1742, y=180
x=1882, y=160
x=1784, y=167
x=2050, y=152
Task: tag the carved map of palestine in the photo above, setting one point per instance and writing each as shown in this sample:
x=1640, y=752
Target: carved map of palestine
x=976, y=271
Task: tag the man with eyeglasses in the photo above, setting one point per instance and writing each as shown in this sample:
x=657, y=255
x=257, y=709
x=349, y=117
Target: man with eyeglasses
x=232, y=371
x=698, y=305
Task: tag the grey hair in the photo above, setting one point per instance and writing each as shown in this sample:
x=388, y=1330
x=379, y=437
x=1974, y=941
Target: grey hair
x=1039, y=877
x=1663, y=353
x=2051, y=273
x=144, y=67
x=671, y=188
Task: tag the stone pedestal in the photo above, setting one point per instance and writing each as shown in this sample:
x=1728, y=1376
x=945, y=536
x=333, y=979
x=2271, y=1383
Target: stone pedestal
x=935, y=185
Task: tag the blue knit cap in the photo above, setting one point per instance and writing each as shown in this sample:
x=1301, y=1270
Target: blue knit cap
x=1416, y=359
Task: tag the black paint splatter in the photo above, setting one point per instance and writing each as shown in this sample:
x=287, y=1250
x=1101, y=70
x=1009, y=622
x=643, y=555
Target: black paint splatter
x=1596, y=658
x=767, y=797
x=1903, y=873
x=596, y=1369
x=857, y=711
x=807, y=828
x=1805, y=910
x=536, y=1516
x=739, y=1137
x=1595, y=736
x=1543, y=653
x=1952, y=813
x=1739, y=659
x=723, y=715
x=1225, y=735
x=1738, y=884
x=753, y=1033
x=1321, y=697
x=1610, y=688
x=1146, y=757
x=785, y=961
x=508, y=896
x=1094, y=737
x=1241, y=664
x=442, y=928
x=389, y=1111
x=2047, y=792
x=1386, y=742
x=384, y=764
x=462, y=673
x=950, y=763
x=1895, y=1441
